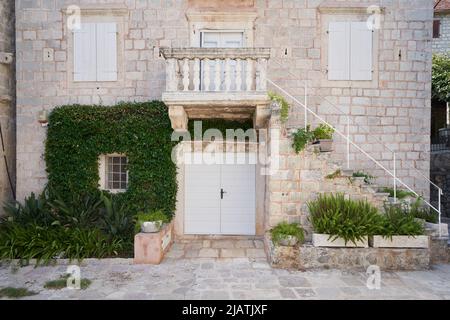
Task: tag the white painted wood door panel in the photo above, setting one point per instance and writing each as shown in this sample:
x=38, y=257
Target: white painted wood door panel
x=206, y=212
x=237, y=214
x=202, y=199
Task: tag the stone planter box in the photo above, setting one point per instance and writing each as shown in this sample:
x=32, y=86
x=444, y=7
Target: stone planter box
x=323, y=240
x=400, y=242
x=150, y=248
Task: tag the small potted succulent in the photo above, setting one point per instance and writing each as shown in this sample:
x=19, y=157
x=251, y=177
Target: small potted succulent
x=287, y=234
x=323, y=134
x=150, y=222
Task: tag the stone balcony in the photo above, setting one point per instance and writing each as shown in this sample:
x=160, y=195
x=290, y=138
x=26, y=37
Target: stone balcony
x=228, y=83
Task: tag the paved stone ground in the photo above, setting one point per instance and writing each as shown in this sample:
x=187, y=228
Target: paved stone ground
x=220, y=248
x=242, y=278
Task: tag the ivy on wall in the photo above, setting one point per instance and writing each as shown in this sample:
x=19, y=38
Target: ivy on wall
x=78, y=134
x=220, y=124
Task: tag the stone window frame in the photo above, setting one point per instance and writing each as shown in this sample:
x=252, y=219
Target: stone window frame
x=221, y=21
x=98, y=15
x=328, y=15
x=103, y=172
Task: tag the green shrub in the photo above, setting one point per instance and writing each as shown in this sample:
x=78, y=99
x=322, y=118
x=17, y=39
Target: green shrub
x=78, y=134
x=323, y=131
x=62, y=283
x=142, y=217
x=399, y=221
x=334, y=175
x=47, y=243
x=284, y=229
x=301, y=138
x=10, y=292
x=418, y=210
x=344, y=218
x=81, y=210
x=284, y=105
x=34, y=210
x=401, y=194
x=367, y=177
x=116, y=218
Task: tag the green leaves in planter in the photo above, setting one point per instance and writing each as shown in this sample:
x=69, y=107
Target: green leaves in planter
x=284, y=105
x=142, y=217
x=284, y=229
x=301, y=138
x=344, y=218
x=399, y=220
x=420, y=211
x=323, y=131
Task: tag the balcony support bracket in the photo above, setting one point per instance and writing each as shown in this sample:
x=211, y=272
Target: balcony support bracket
x=178, y=118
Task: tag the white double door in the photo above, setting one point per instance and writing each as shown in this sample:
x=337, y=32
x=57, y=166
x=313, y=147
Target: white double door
x=220, y=199
x=221, y=39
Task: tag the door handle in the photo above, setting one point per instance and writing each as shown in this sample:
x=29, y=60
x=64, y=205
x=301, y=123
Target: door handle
x=221, y=193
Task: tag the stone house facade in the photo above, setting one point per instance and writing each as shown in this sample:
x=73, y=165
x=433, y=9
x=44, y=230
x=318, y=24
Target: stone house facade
x=441, y=36
x=381, y=96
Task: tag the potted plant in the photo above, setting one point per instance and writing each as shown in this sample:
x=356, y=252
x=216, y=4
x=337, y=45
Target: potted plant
x=324, y=136
x=341, y=222
x=150, y=222
x=287, y=234
x=301, y=138
x=400, y=229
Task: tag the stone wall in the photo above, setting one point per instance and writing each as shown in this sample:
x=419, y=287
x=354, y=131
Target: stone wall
x=7, y=101
x=394, y=109
x=440, y=174
x=309, y=257
x=442, y=44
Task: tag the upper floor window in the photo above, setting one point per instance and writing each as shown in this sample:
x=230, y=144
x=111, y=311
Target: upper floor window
x=113, y=172
x=95, y=52
x=436, y=28
x=350, y=51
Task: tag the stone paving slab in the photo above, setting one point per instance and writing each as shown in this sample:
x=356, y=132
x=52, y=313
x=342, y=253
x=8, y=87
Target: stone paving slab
x=212, y=278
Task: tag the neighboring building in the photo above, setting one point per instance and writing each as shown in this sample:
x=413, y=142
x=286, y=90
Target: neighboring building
x=379, y=81
x=7, y=102
x=441, y=26
x=440, y=111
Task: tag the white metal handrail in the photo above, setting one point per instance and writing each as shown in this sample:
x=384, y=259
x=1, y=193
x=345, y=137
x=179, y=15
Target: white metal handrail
x=350, y=142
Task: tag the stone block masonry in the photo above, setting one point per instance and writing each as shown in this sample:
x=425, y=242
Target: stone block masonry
x=394, y=108
x=442, y=44
x=7, y=101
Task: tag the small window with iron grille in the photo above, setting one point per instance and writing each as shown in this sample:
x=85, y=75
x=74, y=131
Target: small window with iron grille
x=114, y=172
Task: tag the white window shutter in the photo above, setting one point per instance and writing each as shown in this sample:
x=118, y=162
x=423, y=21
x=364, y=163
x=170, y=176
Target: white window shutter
x=84, y=52
x=361, y=51
x=339, y=51
x=106, y=52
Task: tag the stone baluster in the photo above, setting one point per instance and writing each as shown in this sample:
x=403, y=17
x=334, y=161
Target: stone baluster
x=217, y=74
x=186, y=74
x=171, y=76
x=238, y=75
x=227, y=74
x=249, y=76
x=261, y=84
x=206, y=74
x=196, y=74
